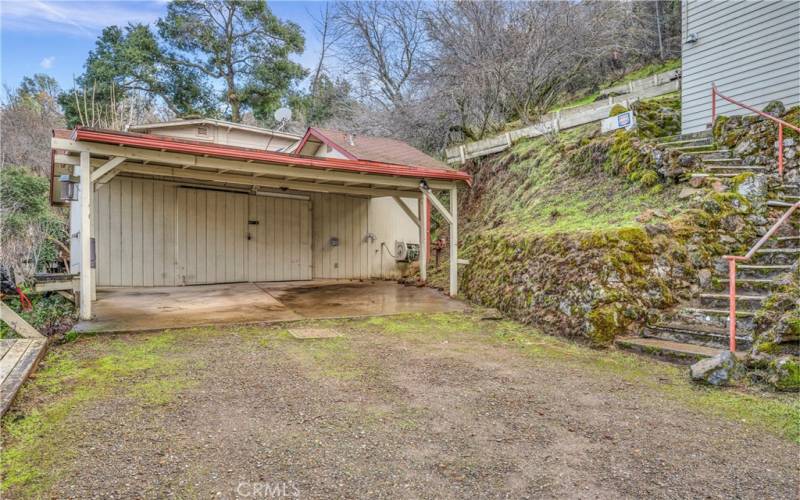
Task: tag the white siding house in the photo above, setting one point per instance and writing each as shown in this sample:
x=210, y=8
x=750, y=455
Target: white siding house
x=749, y=49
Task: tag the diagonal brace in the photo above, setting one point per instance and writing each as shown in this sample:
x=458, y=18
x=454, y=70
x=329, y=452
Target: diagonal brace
x=108, y=170
x=407, y=210
x=436, y=203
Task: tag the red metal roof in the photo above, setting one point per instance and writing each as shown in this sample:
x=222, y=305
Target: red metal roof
x=364, y=147
x=161, y=143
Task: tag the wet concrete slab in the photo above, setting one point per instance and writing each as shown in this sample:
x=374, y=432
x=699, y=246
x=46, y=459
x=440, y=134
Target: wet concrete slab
x=338, y=299
x=145, y=309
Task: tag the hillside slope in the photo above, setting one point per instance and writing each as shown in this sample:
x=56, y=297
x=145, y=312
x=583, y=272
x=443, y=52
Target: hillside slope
x=590, y=235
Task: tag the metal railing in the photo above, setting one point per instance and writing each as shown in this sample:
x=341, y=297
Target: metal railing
x=732, y=259
x=781, y=123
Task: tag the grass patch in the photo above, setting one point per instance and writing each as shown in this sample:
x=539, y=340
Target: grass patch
x=644, y=72
x=546, y=186
x=39, y=444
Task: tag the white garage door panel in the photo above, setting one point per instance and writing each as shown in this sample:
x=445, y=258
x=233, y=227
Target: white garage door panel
x=227, y=237
x=211, y=236
x=280, y=239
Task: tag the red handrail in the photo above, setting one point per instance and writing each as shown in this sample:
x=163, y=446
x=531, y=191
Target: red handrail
x=781, y=123
x=732, y=272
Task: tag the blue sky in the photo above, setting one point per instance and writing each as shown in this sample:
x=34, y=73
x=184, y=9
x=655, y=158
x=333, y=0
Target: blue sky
x=54, y=37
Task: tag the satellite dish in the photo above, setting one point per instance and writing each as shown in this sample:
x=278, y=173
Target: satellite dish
x=282, y=115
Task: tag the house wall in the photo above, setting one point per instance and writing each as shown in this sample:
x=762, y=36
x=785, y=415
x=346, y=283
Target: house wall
x=221, y=135
x=136, y=232
x=388, y=223
x=750, y=49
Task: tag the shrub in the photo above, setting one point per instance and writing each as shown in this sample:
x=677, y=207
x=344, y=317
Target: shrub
x=617, y=109
x=29, y=227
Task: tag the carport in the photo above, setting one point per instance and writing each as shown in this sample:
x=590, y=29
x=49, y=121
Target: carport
x=215, y=214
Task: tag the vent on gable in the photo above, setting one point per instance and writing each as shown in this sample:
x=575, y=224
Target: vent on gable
x=202, y=131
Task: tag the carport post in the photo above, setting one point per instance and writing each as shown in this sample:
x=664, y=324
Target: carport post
x=86, y=236
x=454, y=242
x=422, y=210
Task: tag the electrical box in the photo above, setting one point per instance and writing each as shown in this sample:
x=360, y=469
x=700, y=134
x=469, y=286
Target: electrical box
x=406, y=252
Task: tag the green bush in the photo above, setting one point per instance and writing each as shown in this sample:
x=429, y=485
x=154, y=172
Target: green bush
x=28, y=225
x=617, y=109
x=51, y=314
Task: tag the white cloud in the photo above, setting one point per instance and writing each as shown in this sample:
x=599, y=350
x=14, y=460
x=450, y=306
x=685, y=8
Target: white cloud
x=85, y=19
x=48, y=62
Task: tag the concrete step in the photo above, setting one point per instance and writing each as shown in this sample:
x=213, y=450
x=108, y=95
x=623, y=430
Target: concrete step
x=705, y=336
x=683, y=143
x=734, y=168
x=714, y=317
x=747, y=286
x=695, y=149
x=776, y=256
x=745, y=302
x=716, y=153
x=680, y=137
x=713, y=176
x=676, y=352
x=757, y=268
x=778, y=203
x=720, y=161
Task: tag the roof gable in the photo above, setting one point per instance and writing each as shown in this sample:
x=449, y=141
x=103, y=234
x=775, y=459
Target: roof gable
x=363, y=147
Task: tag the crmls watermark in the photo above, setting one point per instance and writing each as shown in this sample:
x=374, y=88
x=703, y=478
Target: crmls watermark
x=267, y=490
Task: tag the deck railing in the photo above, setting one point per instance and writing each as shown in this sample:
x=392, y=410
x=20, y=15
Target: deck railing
x=732, y=259
x=781, y=123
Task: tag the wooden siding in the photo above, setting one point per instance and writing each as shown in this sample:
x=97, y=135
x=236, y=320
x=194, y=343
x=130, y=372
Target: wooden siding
x=279, y=248
x=345, y=218
x=134, y=229
x=751, y=50
x=154, y=233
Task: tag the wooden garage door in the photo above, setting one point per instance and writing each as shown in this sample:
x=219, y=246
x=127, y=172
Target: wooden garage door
x=211, y=236
x=279, y=239
x=225, y=237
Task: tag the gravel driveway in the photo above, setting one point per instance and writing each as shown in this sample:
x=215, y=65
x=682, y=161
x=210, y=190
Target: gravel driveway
x=434, y=406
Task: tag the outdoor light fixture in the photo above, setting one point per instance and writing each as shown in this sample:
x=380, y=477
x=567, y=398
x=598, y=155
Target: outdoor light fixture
x=691, y=38
x=68, y=191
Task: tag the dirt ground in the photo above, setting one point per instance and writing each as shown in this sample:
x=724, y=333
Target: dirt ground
x=421, y=406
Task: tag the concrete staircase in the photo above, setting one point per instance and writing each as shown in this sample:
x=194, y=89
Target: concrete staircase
x=717, y=162
x=700, y=329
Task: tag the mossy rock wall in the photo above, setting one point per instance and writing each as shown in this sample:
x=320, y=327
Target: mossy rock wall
x=598, y=285
x=755, y=140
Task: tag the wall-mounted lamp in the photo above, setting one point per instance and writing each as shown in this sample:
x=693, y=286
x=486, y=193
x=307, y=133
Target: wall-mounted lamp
x=68, y=190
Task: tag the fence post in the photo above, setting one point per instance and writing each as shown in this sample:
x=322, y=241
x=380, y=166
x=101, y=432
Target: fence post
x=713, y=105
x=780, y=150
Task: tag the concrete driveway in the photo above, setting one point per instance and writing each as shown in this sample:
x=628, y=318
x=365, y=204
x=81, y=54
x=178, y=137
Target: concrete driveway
x=142, y=309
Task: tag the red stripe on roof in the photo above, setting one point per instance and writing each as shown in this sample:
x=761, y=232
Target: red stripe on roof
x=147, y=141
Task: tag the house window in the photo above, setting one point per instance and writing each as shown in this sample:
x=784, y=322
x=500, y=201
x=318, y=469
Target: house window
x=202, y=131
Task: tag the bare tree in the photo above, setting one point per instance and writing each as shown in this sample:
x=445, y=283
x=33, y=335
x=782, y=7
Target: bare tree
x=381, y=42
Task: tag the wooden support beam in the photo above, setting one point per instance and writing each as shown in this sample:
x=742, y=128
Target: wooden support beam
x=438, y=204
x=19, y=325
x=170, y=172
x=422, y=208
x=107, y=168
x=407, y=210
x=187, y=161
x=453, y=242
x=86, y=236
